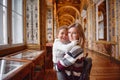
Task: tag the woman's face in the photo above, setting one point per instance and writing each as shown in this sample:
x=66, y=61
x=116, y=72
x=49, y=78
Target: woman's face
x=73, y=34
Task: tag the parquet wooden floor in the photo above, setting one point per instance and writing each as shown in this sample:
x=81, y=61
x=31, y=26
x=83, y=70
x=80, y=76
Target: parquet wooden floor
x=102, y=69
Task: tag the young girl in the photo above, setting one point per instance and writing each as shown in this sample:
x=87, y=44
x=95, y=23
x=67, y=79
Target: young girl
x=61, y=45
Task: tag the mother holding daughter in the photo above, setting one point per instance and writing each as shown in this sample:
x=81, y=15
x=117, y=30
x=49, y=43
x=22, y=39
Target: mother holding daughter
x=68, y=56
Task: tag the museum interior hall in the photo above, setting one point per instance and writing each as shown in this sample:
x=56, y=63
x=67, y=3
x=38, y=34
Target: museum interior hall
x=28, y=29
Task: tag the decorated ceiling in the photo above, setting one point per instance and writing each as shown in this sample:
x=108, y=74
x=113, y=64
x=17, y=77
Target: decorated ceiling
x=67, y=11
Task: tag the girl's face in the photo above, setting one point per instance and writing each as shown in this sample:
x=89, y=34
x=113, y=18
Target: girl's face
x=73, y=34
x=63, y=35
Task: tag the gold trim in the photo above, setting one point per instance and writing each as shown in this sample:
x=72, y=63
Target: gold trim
x=106, y=42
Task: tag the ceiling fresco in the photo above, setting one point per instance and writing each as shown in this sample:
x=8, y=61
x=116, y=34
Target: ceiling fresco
x=67, y=11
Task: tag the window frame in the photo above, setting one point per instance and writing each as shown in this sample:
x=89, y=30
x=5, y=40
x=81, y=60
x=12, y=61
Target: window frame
x=107, y=28
x=9, y=27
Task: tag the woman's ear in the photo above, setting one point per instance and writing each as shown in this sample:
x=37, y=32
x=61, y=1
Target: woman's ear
x=80, y=41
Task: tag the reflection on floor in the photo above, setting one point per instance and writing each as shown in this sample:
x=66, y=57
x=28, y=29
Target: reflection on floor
x=103, y=69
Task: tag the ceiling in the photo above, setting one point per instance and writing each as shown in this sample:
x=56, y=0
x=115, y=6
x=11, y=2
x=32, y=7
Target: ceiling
x=67, y=11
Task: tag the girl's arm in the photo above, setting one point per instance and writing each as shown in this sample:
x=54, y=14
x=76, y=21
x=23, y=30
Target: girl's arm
x=65, y=47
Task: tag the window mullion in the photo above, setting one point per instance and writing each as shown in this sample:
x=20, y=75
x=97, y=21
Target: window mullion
x=9, y=22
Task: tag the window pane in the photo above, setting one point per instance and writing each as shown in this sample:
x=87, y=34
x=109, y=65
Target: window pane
x=101, y=30
x=3, y=24
x=17, y=22
x=17, y=28
x=17, y=6
x=3, y=2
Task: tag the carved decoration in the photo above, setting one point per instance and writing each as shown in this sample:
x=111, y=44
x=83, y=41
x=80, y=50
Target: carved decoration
x=32, y=21
x=49, y=24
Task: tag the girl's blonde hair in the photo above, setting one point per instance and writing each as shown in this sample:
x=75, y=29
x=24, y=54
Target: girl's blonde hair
x=80, y=32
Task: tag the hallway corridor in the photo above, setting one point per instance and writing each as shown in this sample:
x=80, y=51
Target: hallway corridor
x=102, y=69
x=28, y=27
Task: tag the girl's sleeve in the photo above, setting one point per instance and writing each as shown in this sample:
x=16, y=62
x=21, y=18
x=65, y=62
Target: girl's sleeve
x=66, y=47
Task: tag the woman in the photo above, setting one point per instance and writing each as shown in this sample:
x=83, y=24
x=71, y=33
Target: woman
x=60, y=46
x=72, y=63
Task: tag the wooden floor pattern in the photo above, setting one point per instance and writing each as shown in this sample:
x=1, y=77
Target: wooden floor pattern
x=102, y=69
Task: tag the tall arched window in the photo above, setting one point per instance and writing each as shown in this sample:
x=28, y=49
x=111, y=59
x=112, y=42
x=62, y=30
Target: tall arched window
x=101, y=21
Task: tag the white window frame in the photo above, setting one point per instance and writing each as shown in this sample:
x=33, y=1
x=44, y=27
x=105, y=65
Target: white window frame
x=97, y=38
x=9, y=29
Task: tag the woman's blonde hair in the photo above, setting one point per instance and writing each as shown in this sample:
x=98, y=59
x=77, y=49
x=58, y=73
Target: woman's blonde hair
x=80, y=32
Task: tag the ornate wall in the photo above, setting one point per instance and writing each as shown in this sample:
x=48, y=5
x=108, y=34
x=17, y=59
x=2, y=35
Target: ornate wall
x=108, y=48
x=35, y=24
x=91, y=24
x=49, y=24
x=32, y=21
x=118, y=26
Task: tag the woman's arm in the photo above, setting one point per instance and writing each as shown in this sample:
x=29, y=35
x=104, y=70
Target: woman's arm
x=70, y=58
